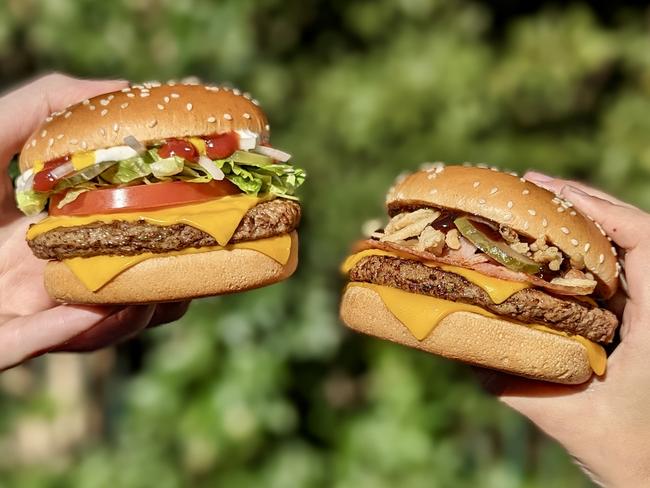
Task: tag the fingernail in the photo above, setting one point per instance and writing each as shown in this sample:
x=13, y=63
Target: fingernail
x=538, y=177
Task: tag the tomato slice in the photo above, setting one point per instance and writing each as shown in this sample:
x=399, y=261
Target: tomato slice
x=142, y=197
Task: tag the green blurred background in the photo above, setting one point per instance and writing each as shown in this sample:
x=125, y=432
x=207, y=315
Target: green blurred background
x=266, y=388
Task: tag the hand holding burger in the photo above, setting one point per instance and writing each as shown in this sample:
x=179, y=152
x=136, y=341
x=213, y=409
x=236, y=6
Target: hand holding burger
x=30, y=322
x=604, y=424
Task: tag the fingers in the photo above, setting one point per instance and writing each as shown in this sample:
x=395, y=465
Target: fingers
x=116, y=327
x=25, y=337
x=168, y=312
x=622, y=222
x=24, y=109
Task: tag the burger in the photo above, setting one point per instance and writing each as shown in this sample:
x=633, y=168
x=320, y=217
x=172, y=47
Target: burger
x=487, y=268
x=159, y=192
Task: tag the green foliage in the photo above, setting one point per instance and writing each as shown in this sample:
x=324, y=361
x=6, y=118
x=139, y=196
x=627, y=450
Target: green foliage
x=266, y=388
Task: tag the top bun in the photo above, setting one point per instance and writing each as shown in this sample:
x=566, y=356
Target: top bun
x=521, y=205
x=147, y=112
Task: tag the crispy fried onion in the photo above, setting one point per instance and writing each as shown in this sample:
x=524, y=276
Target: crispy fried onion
x=480, y=262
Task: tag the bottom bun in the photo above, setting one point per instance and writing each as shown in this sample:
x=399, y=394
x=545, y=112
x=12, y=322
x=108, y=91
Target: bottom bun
x=171, y=278
x=475, y=339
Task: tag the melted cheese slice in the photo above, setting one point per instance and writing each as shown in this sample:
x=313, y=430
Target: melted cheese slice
x=421, y=314
x=498, y=290
x=96, y=271
x=219, y=217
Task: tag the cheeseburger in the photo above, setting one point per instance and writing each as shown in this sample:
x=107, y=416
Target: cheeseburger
x=159, y=192
x=489, y=269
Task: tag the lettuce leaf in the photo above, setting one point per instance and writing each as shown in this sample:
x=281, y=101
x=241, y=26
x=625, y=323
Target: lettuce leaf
x=31, y=202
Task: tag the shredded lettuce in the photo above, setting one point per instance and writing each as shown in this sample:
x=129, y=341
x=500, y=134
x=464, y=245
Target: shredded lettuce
x=253, y=175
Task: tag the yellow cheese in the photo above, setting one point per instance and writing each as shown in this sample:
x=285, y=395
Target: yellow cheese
x=96, y=271
x=219, y=217
x=421, y=314
x=499, y=290
x=38, y=166
x=198, y=143
x=82, y=160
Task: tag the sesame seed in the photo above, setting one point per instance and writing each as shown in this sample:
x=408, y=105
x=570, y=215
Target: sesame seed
x=188, y=106
x=104, y=102
x=67, y=114
x=227, y=116
x=110, y=97
x=601, y=259
x=84, y=145
x=102, y=131
x=532, y=212
x=235, y=91
x=613, y=250
x=166, y=99
x=50, y=143
x=431, y=176
x=247, y=96
x=74, y=142
x=493, y=190
x=439, y=168
x=476, y=184
x=116, y=127
x=574, y=242
x=254, y=102
x=481, y=201
x=522, y=179
x=85, y=102
x=544, y=223
x=212, y=119
x=174, y=95
x=526, y=225
x=144, y=94
x=48, y=119
x=43, y=133
x=267, y=127
x=507, y=216
x=152, y=123
x=103, y=112
x=130, y=95
x=560, y=209
x=59, y=137
x=564, y=229
x=247, y=115
x=91, y=107
x=124, y=105
x=126, y=90
x=510, y=204
x=433, y=191
x=33, y=142
x=160, y=106
x=525, y=192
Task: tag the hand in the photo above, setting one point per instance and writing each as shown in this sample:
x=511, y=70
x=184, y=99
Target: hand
x=30, y=322
x=605, y=424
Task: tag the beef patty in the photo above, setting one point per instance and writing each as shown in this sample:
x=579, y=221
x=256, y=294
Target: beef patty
x=529, y=305
x=267, y=219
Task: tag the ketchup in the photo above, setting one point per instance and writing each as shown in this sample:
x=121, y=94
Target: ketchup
x=44, y=181
x=180, y=148
x=221, y=146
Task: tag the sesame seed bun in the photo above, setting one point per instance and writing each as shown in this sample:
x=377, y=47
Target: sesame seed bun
x=521, y=205
x=148, y=113
x=172, y=278
x=474, y=339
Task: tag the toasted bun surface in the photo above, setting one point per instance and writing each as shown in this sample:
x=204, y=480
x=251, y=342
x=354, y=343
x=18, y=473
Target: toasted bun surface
x=517, y=203
x=173, y=278
x=475, y=339
x=147, y=113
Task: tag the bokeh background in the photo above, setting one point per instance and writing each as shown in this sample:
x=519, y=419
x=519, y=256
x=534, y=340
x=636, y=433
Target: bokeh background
x=266, y=388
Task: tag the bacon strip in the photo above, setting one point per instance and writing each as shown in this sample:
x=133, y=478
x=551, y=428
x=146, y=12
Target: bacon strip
x=478, y=262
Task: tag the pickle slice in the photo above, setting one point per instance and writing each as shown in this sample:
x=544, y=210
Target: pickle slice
x=499, y=251
x=252, y=159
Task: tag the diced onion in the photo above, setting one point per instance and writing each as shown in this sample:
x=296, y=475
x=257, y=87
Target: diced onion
x=62, y=170
x=135, y=144
x=209, y=165
x=25, y=181
x=273, y=153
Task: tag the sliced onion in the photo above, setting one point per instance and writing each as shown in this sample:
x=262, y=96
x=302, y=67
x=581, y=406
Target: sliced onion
x=273, y=153
x=62, y=170
x=25, y=181
x=136, y=145
x=209, y=165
